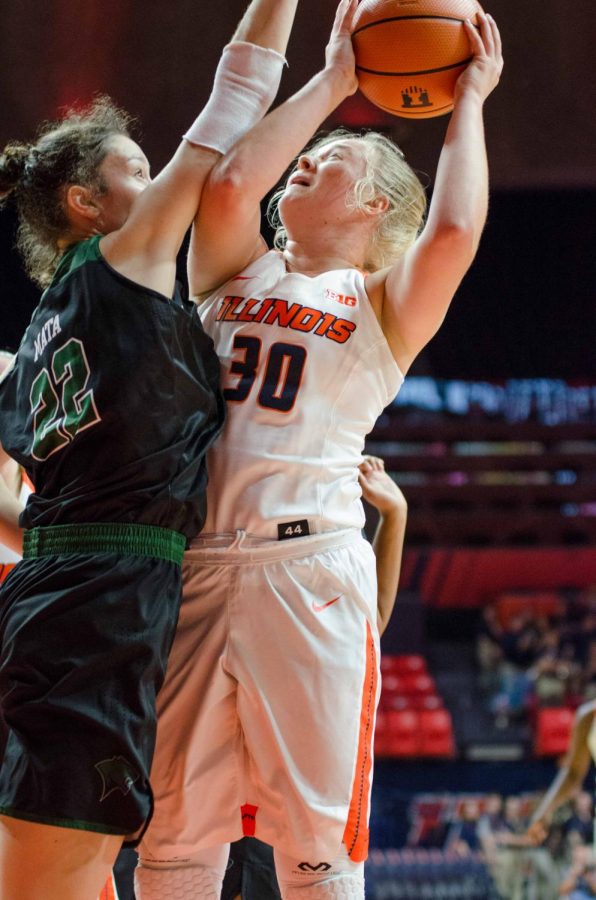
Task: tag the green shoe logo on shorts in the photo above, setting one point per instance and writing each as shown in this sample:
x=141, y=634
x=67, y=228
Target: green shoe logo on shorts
x=117, y=774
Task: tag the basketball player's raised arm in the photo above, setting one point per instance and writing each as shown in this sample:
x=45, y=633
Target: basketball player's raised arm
x=570, y=776
x=379, y=489
x=412, y=297
x=245, y=84
x=227, y=229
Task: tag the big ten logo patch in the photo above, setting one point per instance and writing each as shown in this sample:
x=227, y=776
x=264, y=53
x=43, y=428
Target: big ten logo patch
x=340, y=298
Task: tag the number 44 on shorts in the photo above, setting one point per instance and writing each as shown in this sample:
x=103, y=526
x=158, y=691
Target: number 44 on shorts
x=287, y=530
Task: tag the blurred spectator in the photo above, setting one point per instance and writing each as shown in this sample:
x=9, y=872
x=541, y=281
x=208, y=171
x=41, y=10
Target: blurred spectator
x=537, y=661
x=581, y=820
x=512, y=697
x=491, y=822
x=579, y=882
x=489, y=652
x=550, y=672
x=462, y=837
x=519, y=867
x=589, y=673
x=521, y=640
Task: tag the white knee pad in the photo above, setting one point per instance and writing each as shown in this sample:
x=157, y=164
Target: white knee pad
x=339, y=878
x=199, y=877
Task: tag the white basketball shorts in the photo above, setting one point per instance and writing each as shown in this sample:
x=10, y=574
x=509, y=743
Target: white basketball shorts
x=266, y=718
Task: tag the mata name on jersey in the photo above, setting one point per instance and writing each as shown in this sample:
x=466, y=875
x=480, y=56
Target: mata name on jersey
x=48, y=332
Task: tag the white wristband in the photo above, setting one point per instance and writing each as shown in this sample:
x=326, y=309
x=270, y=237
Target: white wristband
x=245, y=85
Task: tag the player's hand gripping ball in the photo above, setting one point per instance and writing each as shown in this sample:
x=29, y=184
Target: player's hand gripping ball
x=410, y=53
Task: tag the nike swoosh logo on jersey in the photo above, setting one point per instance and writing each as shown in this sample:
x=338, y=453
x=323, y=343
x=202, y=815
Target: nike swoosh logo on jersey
x=319, y=607
x=244, y=277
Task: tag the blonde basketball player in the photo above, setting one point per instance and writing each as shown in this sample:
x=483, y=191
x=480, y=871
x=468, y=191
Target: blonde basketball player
x=267, y=714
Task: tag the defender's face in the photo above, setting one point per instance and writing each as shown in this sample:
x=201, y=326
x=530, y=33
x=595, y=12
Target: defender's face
x=125, y=173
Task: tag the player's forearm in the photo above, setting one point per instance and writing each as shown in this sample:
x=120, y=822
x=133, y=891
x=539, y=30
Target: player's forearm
x=268, y=23
x=563, y=787
x=388, y=547
x=460, y=194
x=259, y=159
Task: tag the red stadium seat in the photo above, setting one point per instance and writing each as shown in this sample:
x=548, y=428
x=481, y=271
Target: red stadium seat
x=381, y=734
x=418, y=685
x=436, y=733
x=394, y=701
x=410, y=664
x=389, y=664
x=552, y=731
x=402, y=733
x=392, y=684
x=424, y=701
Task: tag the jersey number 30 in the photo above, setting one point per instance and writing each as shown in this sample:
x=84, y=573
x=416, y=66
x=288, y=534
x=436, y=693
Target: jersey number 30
x=61, y=403
x=282, y=377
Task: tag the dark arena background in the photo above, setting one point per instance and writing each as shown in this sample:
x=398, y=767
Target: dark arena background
x=492, y=645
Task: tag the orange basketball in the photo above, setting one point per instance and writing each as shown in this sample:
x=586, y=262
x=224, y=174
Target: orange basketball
x=410, y=53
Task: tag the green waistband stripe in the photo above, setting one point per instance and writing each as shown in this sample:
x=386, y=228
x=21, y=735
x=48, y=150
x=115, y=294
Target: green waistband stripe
x=105, y=537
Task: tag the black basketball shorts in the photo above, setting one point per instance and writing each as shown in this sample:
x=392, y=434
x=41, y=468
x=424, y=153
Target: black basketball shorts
x=86, y=624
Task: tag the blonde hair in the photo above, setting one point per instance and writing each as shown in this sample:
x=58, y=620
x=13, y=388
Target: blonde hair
x=387, y=175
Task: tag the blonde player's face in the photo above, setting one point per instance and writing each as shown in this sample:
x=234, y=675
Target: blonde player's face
x=316, y=193
x=125, y=174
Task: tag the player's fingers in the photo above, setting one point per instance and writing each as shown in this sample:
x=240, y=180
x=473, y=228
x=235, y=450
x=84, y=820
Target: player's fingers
x=488, y=37
x=474, y=37
x=351, y=15
x=498, y=43
x=337, y=18
x=341, y=14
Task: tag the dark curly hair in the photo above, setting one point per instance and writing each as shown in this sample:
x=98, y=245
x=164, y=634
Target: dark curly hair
x=65, y=152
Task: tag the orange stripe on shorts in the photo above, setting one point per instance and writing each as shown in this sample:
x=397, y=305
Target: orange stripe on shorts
x=108, y=892
x=5, y=568
x=26, y=480
x=356, y=835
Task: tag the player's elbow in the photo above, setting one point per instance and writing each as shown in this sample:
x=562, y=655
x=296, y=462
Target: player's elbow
x=226, y=186
x=458, y=238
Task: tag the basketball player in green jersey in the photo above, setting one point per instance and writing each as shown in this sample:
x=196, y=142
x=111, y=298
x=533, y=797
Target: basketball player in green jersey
x=110, y=407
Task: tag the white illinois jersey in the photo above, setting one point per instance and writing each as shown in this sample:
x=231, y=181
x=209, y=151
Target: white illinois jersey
x=306, y=372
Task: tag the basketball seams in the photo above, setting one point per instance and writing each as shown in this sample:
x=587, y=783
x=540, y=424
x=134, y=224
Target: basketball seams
x=410, y=63
x=420, y=114
x=407, y=18
x=464, y=62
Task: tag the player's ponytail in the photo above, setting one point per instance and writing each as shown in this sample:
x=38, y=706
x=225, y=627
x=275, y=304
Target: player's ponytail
x=66, y=152
x=13, y=164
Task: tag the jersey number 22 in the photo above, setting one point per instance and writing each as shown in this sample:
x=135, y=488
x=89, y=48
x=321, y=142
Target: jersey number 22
x=61, y=403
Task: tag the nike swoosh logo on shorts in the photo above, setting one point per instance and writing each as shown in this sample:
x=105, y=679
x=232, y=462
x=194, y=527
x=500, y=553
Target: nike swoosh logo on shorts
x=319, y=607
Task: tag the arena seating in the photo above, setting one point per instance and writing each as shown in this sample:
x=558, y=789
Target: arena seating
x=411, y=721
x=540, y=603
x=552, y=731
x=489, y=465
x=432, y=874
